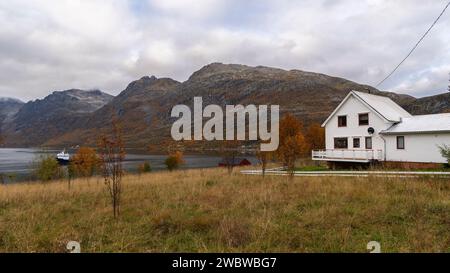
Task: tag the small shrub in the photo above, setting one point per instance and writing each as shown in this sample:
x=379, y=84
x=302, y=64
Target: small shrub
x=174, y=161
x=47, y=168
x=445, y=152
x=144, y=167
x=171, y=163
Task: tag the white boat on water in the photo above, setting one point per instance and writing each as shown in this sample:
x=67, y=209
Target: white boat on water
x=63, y=157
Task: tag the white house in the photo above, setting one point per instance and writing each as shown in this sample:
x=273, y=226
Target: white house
x=366, y=128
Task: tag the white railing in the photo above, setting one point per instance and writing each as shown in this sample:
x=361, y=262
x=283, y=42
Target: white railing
x=350, y=155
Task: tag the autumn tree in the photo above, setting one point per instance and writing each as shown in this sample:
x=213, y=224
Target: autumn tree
x=292, y=142
x=85, y=162
x=315, y=136
x=174, y=160
x=112, y=154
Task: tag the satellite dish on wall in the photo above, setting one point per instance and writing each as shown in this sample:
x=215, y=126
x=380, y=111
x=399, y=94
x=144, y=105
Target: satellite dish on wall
x=370, y=130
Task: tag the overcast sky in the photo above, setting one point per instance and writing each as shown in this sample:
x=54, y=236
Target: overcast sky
x=48, y=45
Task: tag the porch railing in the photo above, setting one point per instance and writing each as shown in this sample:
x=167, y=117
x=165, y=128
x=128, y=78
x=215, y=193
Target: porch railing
x=346, y=154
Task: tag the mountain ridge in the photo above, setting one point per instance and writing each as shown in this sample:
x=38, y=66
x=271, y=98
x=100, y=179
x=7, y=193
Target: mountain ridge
x=49, y=117
x=8, y=108
x=144, y=106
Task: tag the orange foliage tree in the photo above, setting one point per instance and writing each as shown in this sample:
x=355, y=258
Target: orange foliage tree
x=174, y=161
x=315, y=136
x=85, y=162
x=292, y=142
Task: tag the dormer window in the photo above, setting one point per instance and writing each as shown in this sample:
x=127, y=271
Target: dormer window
x=342, y=121
x=363, y=119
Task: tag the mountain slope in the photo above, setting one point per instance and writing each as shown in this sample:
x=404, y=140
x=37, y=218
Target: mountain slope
x=140, y=107
x=8, y=108
x=40, y=120
x=430, y=105
x=144, y=107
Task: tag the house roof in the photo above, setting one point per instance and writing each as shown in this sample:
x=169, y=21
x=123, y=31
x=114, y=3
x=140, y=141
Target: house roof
x=385, y=106
x=421, y=124
x=382, y=106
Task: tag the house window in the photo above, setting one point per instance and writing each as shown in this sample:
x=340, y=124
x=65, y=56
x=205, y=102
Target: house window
x=363, y=119
x=342, y=121
x=400, y=142
x=356, y=143
x=368, y=143
x=341, y=143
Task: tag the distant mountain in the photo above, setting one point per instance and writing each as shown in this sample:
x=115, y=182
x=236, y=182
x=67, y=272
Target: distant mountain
x=430, y=105
x=10, y=100
x=40, y=120
x=144, y=106
x=8, y=108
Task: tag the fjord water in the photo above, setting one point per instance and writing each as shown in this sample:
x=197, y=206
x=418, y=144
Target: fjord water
x=17, y=163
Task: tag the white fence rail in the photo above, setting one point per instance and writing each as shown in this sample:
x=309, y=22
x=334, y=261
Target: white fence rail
x=348, y=155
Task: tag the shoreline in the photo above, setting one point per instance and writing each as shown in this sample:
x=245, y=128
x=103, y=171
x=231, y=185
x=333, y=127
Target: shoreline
x=16, y=164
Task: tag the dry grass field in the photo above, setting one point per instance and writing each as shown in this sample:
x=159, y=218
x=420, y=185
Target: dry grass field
x=210, y=211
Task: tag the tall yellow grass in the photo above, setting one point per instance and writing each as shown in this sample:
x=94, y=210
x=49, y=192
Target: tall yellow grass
x=210, y=211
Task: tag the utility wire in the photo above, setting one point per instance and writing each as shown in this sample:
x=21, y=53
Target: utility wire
x=415, y=46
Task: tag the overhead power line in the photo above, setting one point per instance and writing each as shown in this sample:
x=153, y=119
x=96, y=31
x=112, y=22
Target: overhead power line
x=415, y=46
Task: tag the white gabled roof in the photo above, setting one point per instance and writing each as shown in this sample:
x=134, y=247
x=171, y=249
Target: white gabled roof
x=421, y=124
x=383, y=106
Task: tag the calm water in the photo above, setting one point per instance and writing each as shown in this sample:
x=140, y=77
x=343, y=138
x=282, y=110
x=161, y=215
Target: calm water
x=19, y=162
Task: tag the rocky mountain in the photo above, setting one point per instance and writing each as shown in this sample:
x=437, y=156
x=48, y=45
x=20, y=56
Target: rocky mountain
x=8, y=108
x=40, y=120
x=144, y=106
x=430, y=105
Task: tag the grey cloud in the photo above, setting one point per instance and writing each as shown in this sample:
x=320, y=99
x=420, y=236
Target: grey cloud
x=46, y=46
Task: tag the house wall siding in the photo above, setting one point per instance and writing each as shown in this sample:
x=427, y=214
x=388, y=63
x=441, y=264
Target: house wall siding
x=418, y=148
x=351, y=108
